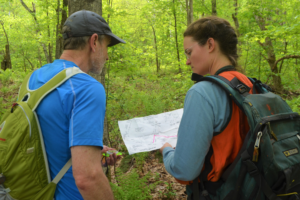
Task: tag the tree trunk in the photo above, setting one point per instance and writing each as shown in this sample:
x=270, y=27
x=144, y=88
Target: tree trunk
x=24, y=62
x=156, y=51
x=110, y=4
x=6, y=63
x=95, y=6
x=49, y=60
x=203, y=4
x=297, y=69
x=40, y=59
x=246, y=60
x=269, y=49
x=259, y=65
x=176, y=36
x=92, y=5
x=237, y=27
x=189, y=11
x=214, y=7
x=58, y=30
x=59, y=38
x=271, y=57
x=235, y=19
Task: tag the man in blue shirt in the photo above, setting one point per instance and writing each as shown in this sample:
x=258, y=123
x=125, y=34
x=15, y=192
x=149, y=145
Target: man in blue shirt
x=72, y=116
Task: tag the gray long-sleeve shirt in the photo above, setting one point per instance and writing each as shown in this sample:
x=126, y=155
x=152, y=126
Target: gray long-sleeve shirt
x=206, y=109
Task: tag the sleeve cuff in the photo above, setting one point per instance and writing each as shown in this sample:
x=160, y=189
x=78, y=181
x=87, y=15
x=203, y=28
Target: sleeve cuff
x=167, y=150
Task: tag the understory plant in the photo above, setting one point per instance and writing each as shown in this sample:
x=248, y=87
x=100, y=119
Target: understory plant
x=131, y=186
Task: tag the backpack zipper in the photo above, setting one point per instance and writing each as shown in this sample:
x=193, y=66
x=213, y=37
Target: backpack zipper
x=256, y=147
x=271, y=131
x=298, y=137
x=27, y=120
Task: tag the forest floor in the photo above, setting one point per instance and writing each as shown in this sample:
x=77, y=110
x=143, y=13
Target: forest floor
x=8, y=95
x=168, y=187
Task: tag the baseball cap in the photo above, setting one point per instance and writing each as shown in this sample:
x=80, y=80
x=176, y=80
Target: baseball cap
x=86, y=23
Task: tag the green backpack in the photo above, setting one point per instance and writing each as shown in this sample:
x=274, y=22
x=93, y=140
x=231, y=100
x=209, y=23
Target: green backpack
x=268, y=164
x=24, y=171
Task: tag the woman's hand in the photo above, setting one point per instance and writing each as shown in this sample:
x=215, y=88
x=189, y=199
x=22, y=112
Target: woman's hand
x=164, y=146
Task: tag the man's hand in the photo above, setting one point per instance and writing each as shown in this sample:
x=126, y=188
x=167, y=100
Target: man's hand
x=164, y=146
x=112, y=159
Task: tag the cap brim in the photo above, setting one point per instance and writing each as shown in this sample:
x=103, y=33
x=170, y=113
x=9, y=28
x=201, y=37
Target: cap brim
x=115, y=40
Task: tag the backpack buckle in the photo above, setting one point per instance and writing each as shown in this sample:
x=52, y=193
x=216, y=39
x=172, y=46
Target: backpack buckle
x=254, y=172
x=242, y=88
x=267, y=87
x=12, y=107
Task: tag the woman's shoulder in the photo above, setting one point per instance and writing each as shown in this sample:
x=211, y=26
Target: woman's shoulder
x=207, y=88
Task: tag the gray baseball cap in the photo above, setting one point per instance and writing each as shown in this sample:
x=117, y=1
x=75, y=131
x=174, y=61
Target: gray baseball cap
x=86, y=23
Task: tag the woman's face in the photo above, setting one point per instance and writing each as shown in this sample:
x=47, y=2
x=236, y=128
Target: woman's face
x=197, y=56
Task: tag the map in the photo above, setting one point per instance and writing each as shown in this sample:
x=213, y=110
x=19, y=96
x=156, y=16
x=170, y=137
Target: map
x=151, y=132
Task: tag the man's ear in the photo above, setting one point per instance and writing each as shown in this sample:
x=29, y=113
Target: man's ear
x=93, y=42
x=211, y=44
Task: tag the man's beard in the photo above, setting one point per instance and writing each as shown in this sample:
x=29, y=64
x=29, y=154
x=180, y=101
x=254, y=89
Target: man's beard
x=98, y=64
x=97, y=67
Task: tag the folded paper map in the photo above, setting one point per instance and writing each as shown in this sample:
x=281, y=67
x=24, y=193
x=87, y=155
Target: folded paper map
x=151, y=132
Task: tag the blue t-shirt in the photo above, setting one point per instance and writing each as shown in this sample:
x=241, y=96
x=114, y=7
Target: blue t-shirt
x=71, y=115
x=206, y=109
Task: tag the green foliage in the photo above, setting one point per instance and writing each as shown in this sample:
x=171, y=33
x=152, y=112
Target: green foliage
x=4, y=90
x=294, y=104
x=10, y=82
x=5, y=76
x=2, y=110
x=140, y=159
x=159, y=156
x=170, y=191
x=131, y=186
x=126, y=163
x=135, y=87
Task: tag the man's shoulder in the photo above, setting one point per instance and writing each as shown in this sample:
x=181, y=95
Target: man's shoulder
x=48, y=71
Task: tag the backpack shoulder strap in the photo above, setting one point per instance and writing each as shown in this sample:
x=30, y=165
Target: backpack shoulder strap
x=63, y=171
x=34, y=97
x=234, y=89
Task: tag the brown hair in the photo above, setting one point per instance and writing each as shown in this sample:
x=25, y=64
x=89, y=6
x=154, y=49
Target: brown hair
x=77, y=43
x=220, y=30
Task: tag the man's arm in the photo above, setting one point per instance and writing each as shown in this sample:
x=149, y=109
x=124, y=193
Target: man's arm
x=87, y=171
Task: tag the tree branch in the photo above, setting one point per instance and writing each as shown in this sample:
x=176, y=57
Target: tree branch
x=32, y=66
x=45, y=51
x=281, y=64
x=32, y=12
x=264, y=57
x=26, y=7
x=205, y=6
x=261, y=22
x=33, y=7
x=261, y=44
x=285, y=57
